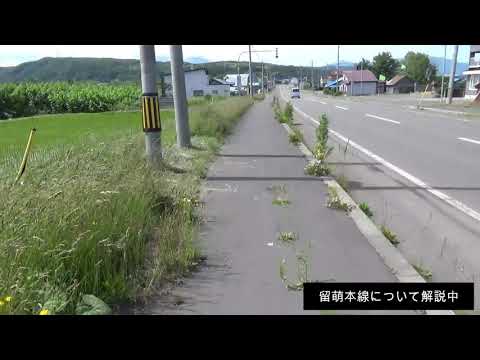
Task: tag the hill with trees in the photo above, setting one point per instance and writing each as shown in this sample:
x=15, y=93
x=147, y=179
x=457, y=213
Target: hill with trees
x=120, y=70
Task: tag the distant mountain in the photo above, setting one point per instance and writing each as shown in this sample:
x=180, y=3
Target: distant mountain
x=438, y=62
x=342, y=64
x=196, y=60
x=110, y=70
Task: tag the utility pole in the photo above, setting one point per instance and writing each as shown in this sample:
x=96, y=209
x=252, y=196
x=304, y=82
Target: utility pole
x=179, y=96
x=250, y=69
x=312, y=77
x=150, y=105
x=263, y=85
x=338, y=64
x=361, y=78
x=452, y=75
x=443, y=72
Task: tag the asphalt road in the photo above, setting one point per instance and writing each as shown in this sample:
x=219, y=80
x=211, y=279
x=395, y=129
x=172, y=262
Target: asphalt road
x=419, y=172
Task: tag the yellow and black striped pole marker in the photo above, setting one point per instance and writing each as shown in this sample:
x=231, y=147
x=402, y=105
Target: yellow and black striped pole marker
x=151, y=112
x=25, y=156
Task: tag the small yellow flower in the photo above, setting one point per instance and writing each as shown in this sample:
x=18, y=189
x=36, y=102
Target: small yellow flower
x=44, y=312
x=8, y=299
x=1, y=303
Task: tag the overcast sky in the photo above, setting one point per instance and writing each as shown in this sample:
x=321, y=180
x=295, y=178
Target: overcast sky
x=300, y=55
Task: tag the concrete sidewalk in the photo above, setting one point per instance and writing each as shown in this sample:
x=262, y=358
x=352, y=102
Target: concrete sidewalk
x=241, y=273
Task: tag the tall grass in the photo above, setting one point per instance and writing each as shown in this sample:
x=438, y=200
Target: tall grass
x=94, y=218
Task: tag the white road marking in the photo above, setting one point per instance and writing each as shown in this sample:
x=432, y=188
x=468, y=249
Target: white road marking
x=317, y=101
x=341, y=107
x=469, y=140
x=382, y=118
x=442, y=196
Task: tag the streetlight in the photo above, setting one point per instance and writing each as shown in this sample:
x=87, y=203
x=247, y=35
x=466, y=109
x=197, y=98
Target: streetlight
x=251, y=51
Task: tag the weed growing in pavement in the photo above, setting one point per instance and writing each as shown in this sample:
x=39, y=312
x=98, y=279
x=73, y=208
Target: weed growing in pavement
x=321, y=151
x=366, y=209
x=317, y=168
x=289, y=112
x=296, y=137
x=389, y=235
x=302, y=272
x=334, y=201
x=281, y=202
x=287, y=237
x=425, y=273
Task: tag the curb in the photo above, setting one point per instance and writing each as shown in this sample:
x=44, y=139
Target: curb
x=391, y=256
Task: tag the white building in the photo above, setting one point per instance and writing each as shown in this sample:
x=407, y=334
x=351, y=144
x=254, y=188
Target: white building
x=198, y=84
x=473, y=74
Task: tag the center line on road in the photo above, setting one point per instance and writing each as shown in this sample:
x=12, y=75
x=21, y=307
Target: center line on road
x=469, y=140
x=382, y=118
x=442, y=196
x=340, y=107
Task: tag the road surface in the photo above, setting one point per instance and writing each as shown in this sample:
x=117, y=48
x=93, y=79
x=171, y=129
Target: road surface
x=419, y=171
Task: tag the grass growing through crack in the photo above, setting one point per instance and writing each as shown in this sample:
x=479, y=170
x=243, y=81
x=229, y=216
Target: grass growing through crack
x=302, y=267
x=281, y=202
x=389, y=235
x=92, y=218
x=295, y=137
x=366, y=209
x=334, y=201
x=425, y=273
x=287, y=237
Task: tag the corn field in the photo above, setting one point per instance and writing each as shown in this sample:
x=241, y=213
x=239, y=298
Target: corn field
x=27, y=99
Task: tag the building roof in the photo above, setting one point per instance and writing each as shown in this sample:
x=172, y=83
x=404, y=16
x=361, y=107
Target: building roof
x=216, y=81
x=359, y=75
x=332, y=83
x=232, y=79
x=393, y=81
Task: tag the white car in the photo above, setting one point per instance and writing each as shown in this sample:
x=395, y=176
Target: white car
x=295, y=93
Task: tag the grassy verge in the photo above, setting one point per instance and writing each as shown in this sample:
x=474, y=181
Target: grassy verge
x=91, y=218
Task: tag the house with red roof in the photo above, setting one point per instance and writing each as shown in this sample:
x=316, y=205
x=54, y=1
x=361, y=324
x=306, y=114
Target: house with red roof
x=358, y=82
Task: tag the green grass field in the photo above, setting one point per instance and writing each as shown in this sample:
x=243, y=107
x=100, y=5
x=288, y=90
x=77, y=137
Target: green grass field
x=91, y=217
x=73, y=128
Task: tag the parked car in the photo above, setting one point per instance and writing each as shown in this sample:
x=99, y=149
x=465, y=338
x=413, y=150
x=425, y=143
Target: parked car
x=295, y=93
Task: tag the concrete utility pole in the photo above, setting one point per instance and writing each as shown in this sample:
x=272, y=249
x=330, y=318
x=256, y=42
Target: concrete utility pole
x=452, y=75
x=250, y=69
x=443, y=72
x=312, y=77
x=179, y=96
x=151, y=113
x=338, y=64
x=263, y=85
